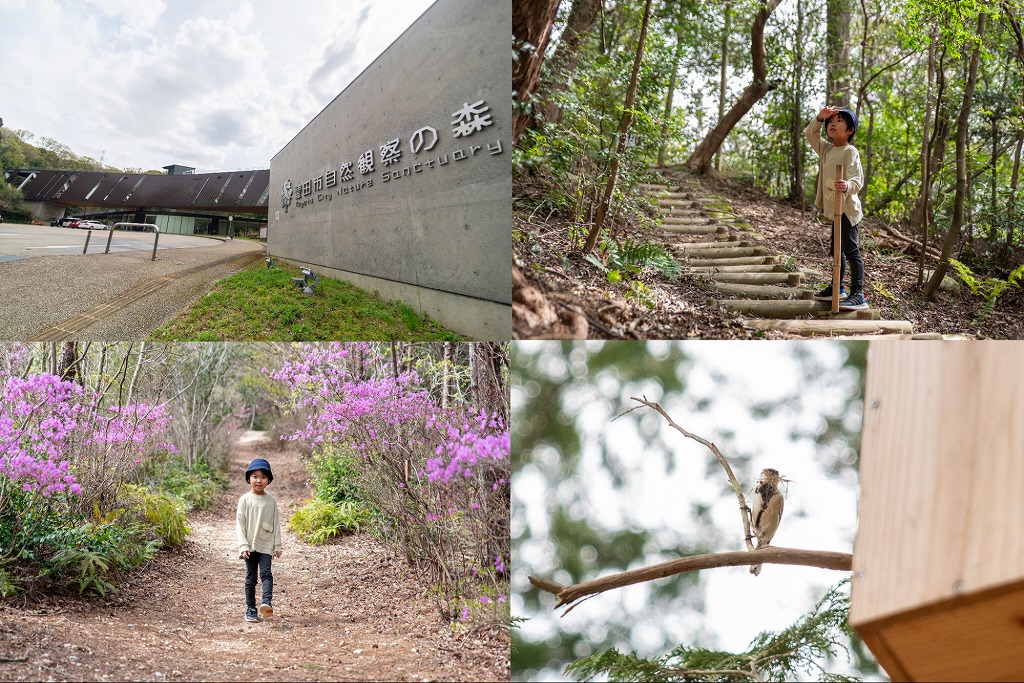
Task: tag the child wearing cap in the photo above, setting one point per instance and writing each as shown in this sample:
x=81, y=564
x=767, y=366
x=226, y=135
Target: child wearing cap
x=259, y=537
x=838, y=149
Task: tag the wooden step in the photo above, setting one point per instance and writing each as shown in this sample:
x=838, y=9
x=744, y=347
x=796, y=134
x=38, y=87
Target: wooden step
x=830, y=328
x=748, y=291
x=687, y=220
x=748, y=268
x=741, y=261
x=729, y=253
x=791, y=279
x=692, y=247
x=790, y=309
x=695, y=229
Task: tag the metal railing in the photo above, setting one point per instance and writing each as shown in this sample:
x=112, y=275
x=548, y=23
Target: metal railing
x=132, y=225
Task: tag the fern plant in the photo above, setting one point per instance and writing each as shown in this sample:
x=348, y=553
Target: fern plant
x=636, y=256
x=989, y=288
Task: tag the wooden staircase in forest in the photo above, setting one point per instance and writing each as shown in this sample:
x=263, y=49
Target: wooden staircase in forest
x=766, y=288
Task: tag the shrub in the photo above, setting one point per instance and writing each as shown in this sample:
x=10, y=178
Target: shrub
x=335, y=476
x=318, y=521
x=164, y=511
x=197, y=487
x=88, y=555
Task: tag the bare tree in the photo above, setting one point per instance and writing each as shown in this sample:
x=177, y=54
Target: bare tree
x=700, y=160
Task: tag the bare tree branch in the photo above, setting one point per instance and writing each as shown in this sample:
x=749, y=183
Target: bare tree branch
x=744, y=510
x=567, y=595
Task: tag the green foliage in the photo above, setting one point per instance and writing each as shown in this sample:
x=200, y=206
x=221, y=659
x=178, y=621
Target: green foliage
x=12, y=204
x=635, y=256
x=196, y=487
x=989, y=288
x=90, y=554
x=335, y=476
x=262, y=304
x=318, y=521
x=798, y=649
x=164, y=511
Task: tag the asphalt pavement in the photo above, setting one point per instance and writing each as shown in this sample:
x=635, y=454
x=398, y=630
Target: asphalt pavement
x=49, y=290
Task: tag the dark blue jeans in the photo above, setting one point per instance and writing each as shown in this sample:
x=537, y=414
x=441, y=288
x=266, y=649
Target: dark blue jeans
x=850, y=251
x=260, y=561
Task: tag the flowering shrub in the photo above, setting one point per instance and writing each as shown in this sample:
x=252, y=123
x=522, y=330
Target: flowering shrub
x=439, y=476
x=64, y=453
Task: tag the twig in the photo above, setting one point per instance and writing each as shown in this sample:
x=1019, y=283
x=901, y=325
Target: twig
x=744, y=510
x=823, y=559
x=14, y=659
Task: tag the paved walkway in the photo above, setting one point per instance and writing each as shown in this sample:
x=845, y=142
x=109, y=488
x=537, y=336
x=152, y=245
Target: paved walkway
x=114, y=297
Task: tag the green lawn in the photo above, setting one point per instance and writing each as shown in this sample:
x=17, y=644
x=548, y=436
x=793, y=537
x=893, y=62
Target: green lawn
x=261, y=304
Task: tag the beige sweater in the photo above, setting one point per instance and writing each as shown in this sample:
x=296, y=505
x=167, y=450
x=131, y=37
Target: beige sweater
x=257, y=525
x=828, y=157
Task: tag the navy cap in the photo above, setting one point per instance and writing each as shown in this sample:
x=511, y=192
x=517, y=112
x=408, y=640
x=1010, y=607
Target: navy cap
x=851, y=118
x=259, y=464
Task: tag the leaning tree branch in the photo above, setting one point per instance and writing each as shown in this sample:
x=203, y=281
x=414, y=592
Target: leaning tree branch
x=744, y=510
x=571, y=595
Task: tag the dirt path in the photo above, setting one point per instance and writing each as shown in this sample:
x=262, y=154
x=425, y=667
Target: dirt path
x=346, y=611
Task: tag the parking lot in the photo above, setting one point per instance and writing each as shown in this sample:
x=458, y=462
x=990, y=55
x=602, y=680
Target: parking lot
x=49, y=290
x=19, y=241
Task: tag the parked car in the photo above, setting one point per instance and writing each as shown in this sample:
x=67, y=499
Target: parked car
x=91, y=225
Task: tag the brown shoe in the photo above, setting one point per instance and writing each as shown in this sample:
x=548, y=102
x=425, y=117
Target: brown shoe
x=266, y=610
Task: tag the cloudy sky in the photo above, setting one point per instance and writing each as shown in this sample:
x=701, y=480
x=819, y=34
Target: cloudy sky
x=213, y=84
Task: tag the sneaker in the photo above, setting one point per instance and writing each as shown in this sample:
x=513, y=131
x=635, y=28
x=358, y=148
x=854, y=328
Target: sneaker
x=854, y=302
x=266, y=610
x=250, y=614
x=826, y=294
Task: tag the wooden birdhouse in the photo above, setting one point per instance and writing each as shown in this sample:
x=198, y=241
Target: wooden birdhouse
x=938, y=564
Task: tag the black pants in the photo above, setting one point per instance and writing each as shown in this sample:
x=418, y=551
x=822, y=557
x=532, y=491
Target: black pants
x=849, y=252
x=260, y=561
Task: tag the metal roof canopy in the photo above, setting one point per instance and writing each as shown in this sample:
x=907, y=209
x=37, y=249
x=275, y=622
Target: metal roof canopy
x=227, y=191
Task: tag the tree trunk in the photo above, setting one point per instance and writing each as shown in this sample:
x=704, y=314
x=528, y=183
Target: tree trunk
x=1013, y=189
x=1015, y=25
x=700, y=160
x=581, y=22
x=837, y=78
x=68, y=367
x=531, y=29
x=627, y=118
x=663, y=149
x=961, y=167
x=920, y=216
x=796, y=179
x=723, y=74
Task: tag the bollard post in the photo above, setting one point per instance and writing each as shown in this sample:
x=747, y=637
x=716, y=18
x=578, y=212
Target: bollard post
x=87, y=236
x=155, y=240
x=110, y=237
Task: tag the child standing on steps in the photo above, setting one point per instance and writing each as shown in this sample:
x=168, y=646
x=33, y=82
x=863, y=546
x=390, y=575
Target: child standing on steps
x=839, y=149
x=258, y=528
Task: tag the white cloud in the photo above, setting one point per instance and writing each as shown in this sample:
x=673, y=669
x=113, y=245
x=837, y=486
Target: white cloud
x=215, y=84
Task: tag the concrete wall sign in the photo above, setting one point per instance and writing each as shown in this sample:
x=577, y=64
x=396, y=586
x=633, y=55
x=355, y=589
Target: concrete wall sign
x=342, y=180
x=403, y=183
